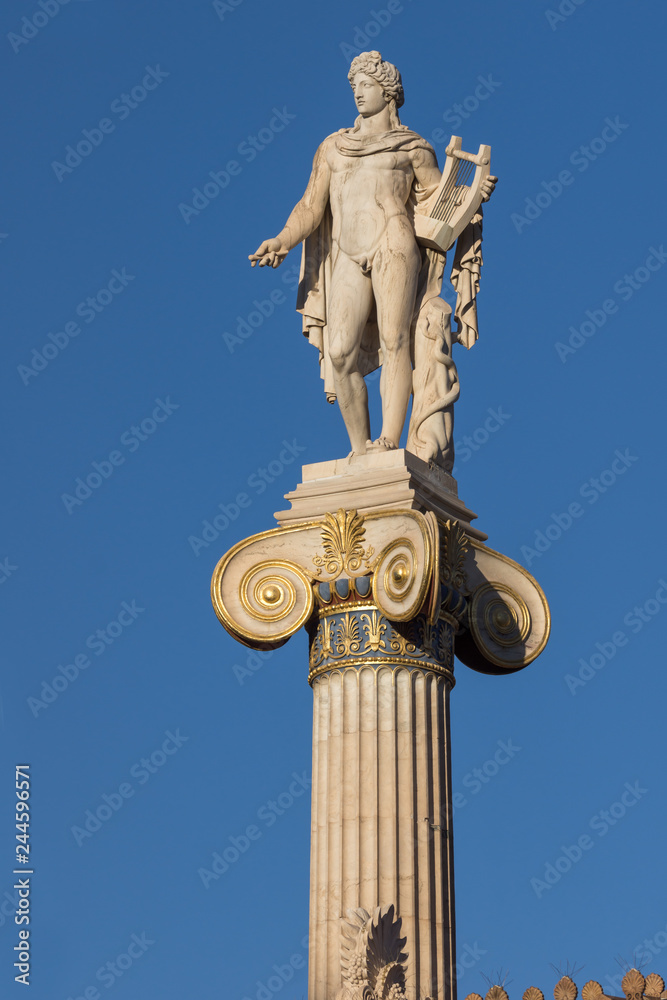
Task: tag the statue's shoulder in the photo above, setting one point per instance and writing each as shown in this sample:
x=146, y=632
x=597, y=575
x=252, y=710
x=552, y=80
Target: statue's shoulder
x=331, y=140
x=329, y=146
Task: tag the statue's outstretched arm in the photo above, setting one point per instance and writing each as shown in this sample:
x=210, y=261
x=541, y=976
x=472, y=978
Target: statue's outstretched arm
x=304, y=218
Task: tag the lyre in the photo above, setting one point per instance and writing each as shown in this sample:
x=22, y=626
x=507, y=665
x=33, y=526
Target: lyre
x=458, y=197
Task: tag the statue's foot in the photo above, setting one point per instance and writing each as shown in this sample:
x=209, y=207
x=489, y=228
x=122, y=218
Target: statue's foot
x=380, y=444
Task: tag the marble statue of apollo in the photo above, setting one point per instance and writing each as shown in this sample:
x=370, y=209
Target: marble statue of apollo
x=364, y=278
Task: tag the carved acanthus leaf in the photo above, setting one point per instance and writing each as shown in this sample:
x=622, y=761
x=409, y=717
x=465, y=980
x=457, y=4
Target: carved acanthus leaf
x=591, y=990
x=372, y=956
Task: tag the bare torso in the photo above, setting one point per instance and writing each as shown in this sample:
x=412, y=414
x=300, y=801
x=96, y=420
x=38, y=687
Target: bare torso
x=365, y=194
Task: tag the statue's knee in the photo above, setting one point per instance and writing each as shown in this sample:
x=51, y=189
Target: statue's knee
x=340, y=361
x=396, y=342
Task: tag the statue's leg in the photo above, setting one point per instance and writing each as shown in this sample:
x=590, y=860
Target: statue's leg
x=394, y=277
x=349, y=305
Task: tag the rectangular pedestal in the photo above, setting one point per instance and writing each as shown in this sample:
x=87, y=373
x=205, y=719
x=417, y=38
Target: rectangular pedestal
x=381, y=481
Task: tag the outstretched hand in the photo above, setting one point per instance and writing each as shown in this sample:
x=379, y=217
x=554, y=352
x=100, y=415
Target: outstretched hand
x=269, y=253
x=488, y=186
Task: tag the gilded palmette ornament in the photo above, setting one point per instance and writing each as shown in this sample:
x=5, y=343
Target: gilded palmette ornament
x=342, y=540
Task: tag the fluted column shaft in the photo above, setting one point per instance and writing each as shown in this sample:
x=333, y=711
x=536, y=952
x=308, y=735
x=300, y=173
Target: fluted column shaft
x=381, y=812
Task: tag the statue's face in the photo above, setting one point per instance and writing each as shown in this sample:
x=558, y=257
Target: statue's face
x=368, y=95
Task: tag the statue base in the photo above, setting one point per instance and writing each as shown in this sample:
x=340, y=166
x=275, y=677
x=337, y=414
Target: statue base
x=382, y=481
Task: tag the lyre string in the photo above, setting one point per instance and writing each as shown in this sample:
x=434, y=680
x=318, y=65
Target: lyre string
x=449, y=198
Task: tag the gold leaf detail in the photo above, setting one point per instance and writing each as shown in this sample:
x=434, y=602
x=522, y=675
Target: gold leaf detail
x=342, y=536
x=347, y=635
x=565, y=989
x=374, y=629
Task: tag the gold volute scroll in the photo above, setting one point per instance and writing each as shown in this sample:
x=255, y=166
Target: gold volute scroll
x=508, y=616
x=262, y=589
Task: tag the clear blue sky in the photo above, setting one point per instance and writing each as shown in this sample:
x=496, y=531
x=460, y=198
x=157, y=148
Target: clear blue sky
x=117, y=301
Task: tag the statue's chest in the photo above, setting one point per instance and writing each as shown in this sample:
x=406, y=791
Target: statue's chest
x=373, y=165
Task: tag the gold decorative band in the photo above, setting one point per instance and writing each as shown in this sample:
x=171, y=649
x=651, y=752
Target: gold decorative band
x=393, y=661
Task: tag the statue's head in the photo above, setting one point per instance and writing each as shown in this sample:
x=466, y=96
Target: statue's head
x=376, y=84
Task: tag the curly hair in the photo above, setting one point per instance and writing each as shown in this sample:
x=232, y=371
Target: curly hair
x=385, y=73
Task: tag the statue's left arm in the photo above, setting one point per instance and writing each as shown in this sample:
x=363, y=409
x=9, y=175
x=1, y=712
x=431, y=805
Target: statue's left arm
x=427, y=173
